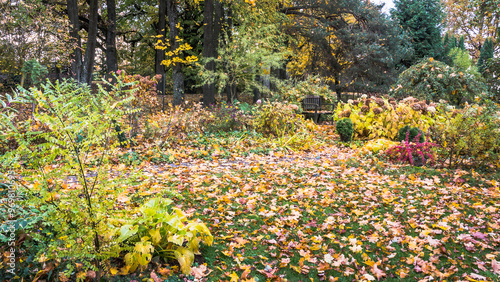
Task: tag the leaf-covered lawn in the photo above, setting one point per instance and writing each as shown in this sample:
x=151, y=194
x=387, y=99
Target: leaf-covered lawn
x=329, y=214
x=333, y=215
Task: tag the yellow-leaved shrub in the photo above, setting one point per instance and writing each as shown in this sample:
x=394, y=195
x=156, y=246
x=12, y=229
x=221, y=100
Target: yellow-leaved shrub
x=161, y=230
x=284, y=126
x=377, y=145
x=374, y=118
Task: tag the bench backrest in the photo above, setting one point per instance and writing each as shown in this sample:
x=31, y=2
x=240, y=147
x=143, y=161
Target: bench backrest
x=310, y=101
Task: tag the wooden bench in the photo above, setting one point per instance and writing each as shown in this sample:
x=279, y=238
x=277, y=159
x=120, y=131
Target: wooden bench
x=315, y=107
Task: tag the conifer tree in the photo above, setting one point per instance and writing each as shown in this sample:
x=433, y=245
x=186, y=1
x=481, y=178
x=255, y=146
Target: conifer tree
x=421, y=19
x=461, y=43
x=485, y=55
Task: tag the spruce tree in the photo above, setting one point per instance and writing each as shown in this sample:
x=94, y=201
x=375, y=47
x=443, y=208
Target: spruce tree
x=454, y=42
x=461, y=43
x=485, y=55
x=448, y=44
x=422, y=20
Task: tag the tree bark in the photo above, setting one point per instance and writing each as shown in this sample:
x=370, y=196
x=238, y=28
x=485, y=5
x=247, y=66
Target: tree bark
x=256, y=90
x=111, y=56
x=212, y=17
x=88, y=64
x=76, y=54
x=231, y=88
x=177, y=74
x=209, y=50
x=161, y=30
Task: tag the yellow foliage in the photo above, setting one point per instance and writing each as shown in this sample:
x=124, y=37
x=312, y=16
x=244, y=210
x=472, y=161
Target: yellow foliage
x=372, y=121
x=377, y=145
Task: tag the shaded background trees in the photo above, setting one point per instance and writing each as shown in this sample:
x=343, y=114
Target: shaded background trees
x=201, y=46
x=422, y=21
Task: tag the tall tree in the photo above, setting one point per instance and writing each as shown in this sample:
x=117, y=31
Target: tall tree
x=177, y=74
x=250, y=45
x=76, y=54
x=461, y=43
x=111, y=54
x=88, y=64
x=422, y=19
x=231, y=87
x=486, y=54
x=211, y=32
x=31, y=30
x=474, y=19
x=349, y=43
x=161, y=34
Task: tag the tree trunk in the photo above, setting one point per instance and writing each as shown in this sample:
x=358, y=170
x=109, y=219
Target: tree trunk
x=232, y=92
x=76, y=54
x=111, y=56
x=177, y=74
x=337, y=87
x=218, y=18
x=209, y=50
x=88, y=64
x=231, y=88
x=161, y=30
x=256, y=91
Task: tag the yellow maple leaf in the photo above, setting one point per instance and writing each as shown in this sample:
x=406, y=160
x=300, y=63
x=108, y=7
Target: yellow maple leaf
x=234, y=277
x=113, y=271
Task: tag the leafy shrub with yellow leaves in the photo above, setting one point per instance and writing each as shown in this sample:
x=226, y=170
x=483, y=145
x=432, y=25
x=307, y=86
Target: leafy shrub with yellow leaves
x=281, y=122
x=177, y=122
x=162, y=230
x=279, y=119
x=470, y=136
x=381, y=118
x=377, y=145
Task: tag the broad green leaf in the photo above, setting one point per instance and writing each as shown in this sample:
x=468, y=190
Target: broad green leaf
x=127, y=231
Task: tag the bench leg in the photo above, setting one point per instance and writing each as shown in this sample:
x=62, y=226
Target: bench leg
x=316, y=118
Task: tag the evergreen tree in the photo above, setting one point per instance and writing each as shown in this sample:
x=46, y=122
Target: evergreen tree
x=454, y=42
x=448, y=44
x=485, y=55
x=421, y=19
x=461, y=43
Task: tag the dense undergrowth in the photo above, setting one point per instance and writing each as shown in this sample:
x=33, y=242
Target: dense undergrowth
x=247, y=192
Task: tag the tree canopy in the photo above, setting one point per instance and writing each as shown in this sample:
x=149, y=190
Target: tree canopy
x=422, y=21
x=239, y=45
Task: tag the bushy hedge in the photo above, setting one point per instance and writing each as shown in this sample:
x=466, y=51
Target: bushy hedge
x=374, y=118
x=432, y=80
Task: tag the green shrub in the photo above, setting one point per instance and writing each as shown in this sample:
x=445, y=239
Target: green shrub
x=278, y=119
x=79, y=135
x=33, y=70
x=412, y=132
x=433, y=80
x=345, y=129
x=471, y=136
x=224, y=118
x=70, y=121
x=294, y=91
x=162, y=230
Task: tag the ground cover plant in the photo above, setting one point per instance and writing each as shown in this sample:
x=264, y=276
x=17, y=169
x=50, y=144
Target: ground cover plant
x=267, y=200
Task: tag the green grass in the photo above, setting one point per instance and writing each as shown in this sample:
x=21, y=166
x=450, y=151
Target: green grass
x=287, y=217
